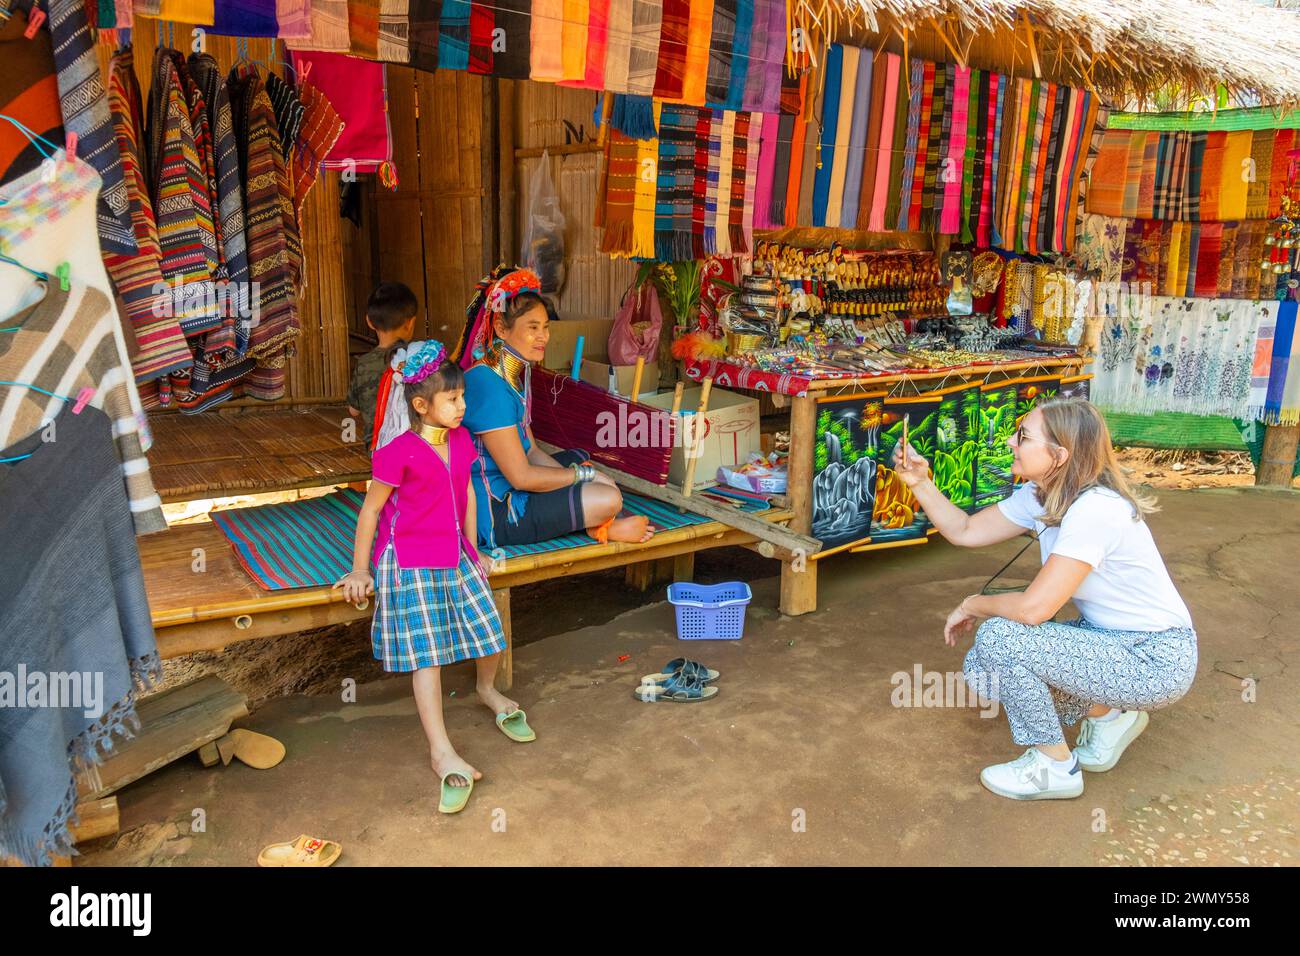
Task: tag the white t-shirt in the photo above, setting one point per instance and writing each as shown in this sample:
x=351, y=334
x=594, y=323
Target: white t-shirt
x=1129, y=588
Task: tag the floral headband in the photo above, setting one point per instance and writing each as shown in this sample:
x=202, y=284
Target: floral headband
x=511, y=285
x=423, y=361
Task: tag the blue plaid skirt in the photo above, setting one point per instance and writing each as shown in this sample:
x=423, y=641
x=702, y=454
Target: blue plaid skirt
x=427, y=617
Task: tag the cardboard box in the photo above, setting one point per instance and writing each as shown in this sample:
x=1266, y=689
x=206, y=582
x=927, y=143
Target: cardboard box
x=564, y=336
x=730, y=432
x=597, y=373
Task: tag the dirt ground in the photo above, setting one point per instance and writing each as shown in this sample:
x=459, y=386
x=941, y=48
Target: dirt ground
x=801, y=759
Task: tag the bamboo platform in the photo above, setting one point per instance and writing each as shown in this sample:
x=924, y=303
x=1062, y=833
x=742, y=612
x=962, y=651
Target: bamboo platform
x=202, y=600
x=216, y=454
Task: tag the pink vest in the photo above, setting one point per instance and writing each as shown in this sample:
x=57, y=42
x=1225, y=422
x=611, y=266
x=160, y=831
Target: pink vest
x=425, y=514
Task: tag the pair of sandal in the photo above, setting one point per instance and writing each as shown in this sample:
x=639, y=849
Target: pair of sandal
x=514, y=725
x=681, y=681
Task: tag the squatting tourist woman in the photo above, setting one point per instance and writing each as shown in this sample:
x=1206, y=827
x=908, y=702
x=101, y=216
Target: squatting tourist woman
x=1132, y=651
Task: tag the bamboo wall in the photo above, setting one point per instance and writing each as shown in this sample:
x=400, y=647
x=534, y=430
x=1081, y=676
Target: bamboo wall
x=595, y=282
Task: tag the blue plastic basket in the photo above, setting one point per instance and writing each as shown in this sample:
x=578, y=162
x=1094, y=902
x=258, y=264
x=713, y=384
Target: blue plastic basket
x=710, y=612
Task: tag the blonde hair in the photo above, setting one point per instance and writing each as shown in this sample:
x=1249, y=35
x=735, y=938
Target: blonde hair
x=1076, y=425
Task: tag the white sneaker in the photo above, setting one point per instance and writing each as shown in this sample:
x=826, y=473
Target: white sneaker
x=1101, y=743
x=1033, y=776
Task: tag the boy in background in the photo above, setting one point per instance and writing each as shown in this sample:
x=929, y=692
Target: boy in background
x=390, y=312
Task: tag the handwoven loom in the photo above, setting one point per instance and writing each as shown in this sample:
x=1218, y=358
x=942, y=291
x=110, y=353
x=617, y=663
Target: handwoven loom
x=576, y=414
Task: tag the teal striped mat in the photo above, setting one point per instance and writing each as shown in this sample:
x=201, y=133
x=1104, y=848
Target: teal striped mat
x=308, y=543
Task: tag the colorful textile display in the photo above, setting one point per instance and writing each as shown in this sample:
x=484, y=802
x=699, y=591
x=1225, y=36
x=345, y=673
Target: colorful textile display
x=1220, y=174
x=1165, y=354
x=356, y=89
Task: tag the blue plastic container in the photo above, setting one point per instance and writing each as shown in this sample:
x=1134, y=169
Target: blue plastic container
x=710, y=612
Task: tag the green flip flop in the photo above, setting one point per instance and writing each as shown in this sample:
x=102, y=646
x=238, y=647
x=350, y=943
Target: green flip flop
x=453, y=799
x=515, y=726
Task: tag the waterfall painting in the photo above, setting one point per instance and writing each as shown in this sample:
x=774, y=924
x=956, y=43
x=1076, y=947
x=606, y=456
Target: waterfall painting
x=844, y=469
x=898, y=514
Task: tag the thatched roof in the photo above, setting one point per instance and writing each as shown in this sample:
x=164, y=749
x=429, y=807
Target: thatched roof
x=1134, y=52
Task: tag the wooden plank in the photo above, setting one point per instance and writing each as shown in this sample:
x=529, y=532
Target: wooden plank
x=798, y=587
x=803, y=427
x=96, y=819
x=506, y=670
x=173, y=723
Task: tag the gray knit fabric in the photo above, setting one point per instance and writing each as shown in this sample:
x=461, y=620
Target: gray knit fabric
x=73, y=604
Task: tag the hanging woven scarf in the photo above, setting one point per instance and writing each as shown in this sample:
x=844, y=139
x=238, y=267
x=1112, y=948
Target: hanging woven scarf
x=916, y=89
x=363, y=28
x=700, y=182
x=857, y=102
x=1283, y=143
x=699, y=29
x=766, y=172
x=453, y=34
x=950, y=221
x=897, y=143
x=783, y=144
x=644, y=204
x=292, y=18
x=721, y=44
x=711, y=190
x=618, y=45
x=1041, y=227
x=740, y=151
x=740, y=62
x=670, y=69
x=357, y=91
x=573, y=39
x=831, y=87
x=753, y=138
x=722, y=230
x=675, y=194
x=85, y=112
x=288, y=111
x=320, y=130
x=1261, y=165
x=597, y=38
x=329, y=28
x=1235, y=180
x=935, y=135
x=799, y=151
x=245, y=18
x=161, y=345
x=647, y=18
x=948, y=73
x=392, y=43
x=843, y=135
x=619, y=193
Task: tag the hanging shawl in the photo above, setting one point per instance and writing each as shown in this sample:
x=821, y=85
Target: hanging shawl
x=886, y=152
x=856, y=103
x=363, y=28
x=755, y=95
x=161, y=344
x=740, y=170
x=245, y=18
x=392, y=44
x=229, y=191
x=830, y=124
x=721, y=43
x=814, y=110
x=618, y=45
x=955, y=154
x=288, y=111
x=482, y=22
x=356, y=89
x=843, y=131
x=422, y=34
x=187, y=11
x=643, y=207
x=320, y=130
x=864, y=180
x=1282, y=146
x=274, y=252
x=740, y=53
x=766, y=172
x=1261, y=165
x=85, y=112
x=700, y=180
x=670, y=68
x=783, y=147
x=711, y=186
x=573, y=40
x=647, y=19
x=593, y=77
x=753, y=138
x=799, y=152
x=726, y=149
x=916, y=85
x=453, y=34
x=619, y=193
x=1235, y=183
x=933, y=149
x=29, y=94
x=293, y=19
x=329, y=28
x=676, y=192
x=180, y=198
x=699, y=29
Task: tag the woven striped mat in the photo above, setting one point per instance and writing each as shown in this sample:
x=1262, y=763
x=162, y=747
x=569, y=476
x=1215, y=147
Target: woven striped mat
x=308, y=543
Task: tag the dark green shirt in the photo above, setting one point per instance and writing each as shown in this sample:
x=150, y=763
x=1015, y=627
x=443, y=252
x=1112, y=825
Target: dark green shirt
x=363, y=393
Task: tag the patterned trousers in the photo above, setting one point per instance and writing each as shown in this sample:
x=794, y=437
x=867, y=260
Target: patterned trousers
x=1048, y=674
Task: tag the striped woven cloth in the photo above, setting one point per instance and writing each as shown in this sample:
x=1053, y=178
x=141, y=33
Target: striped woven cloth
x=161, y=344
x=320, y=129
x=302, y=544
x=85, y=112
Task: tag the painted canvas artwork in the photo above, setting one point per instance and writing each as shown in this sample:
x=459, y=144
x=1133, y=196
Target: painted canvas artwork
x=1075, y=388
x=844, y=470
x=956, y=447
x=993, y=479
x=898, y=514
x=1030, y=392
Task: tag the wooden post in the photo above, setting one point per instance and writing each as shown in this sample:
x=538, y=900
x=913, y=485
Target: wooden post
x=798, y=574
x=506, y=671
x=693, y=451
x=1277, y=460
x=684, y=567
x=637, y=374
